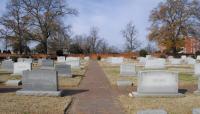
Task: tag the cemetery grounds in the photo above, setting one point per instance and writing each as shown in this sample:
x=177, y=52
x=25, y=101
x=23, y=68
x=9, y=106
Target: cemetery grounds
x=14, y=104
x=173, y=105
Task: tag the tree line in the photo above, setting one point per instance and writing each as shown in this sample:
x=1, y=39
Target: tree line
x=40, y=22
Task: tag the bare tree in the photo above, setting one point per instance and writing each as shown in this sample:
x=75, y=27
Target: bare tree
x=15, y=24
x=130, y=33
x=45, y=15
x=93, y=40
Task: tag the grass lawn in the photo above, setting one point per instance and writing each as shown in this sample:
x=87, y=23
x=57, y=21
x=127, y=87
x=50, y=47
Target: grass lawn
x=113, y=73
x=13, y=104
x=178, y=105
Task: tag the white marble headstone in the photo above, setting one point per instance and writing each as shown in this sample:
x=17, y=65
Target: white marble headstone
x=127, y=70
x=142, y=60
x=155, y=64
x=61, y=59
x=191, y=61
x=157, y=83
x=176, y=61
x=197, y=69
x=19, y=67
x=198, y=57
x=116, y=60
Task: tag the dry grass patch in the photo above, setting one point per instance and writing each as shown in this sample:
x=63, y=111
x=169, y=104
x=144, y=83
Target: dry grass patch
x=11, y=103
x=113, y=73
x=69, y=82
x=182, y=105
x=5, y=77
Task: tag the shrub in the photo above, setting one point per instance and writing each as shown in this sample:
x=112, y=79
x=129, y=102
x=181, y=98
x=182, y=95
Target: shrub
x=143, y=53
x=98, y=58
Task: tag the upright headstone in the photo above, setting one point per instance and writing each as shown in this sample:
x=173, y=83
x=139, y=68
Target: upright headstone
x=183, y=57
x=157, y=83
x=7, y=65
x=40, y=82
x=63, y=70
x=61, y=59
x=127, y=70
x=20, y=60
x=74, y=63
x=197, y=70
x=198, y=57
x=155, y=64
x=142, y=60
x=40, y=61
x=190, y=61
x=116, y=60
x=87, y=58
x=150, y=111
x=148, y=57
x=197, y=92
x=19, y=67
x=47, y=64
x=176, y=61
x=28, y=60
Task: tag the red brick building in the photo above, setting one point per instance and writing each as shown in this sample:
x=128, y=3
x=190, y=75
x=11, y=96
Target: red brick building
x=192, y=45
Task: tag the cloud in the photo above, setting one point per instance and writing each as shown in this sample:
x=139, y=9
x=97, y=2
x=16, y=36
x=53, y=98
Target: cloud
x=111, y=16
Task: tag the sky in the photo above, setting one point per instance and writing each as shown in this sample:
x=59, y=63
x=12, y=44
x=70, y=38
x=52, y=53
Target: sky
x=110, y=16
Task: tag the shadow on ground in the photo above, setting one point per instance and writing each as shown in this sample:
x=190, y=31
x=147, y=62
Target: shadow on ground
x=8, y=89
x=75, y=75
x=70, y=92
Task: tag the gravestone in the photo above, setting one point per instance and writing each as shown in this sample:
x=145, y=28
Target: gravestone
x=197, y=69
x=150, y=111
x=40, y=60
x=121, y=83
x=73, y=63
x=196, y=111
x=63, y=70
x=183, y=57
x=13, y=82
x=175, y=61
x=197, y=92
x=142, y=60
x=39, y=82
x=148, y=57
x=87, y=58
x=72, y=59
x=127, y=70
x=19, y=67
x=155, y=64
x=20, y=60
x=198, y=57
x=29, y=60
x=47, y=64
x=190, y=61
x=116, y=60
x=7, y=65
x=157, y=83
x=61, y=59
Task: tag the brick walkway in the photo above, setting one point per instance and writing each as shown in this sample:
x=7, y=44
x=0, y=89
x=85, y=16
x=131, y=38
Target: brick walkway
x=99, y=98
